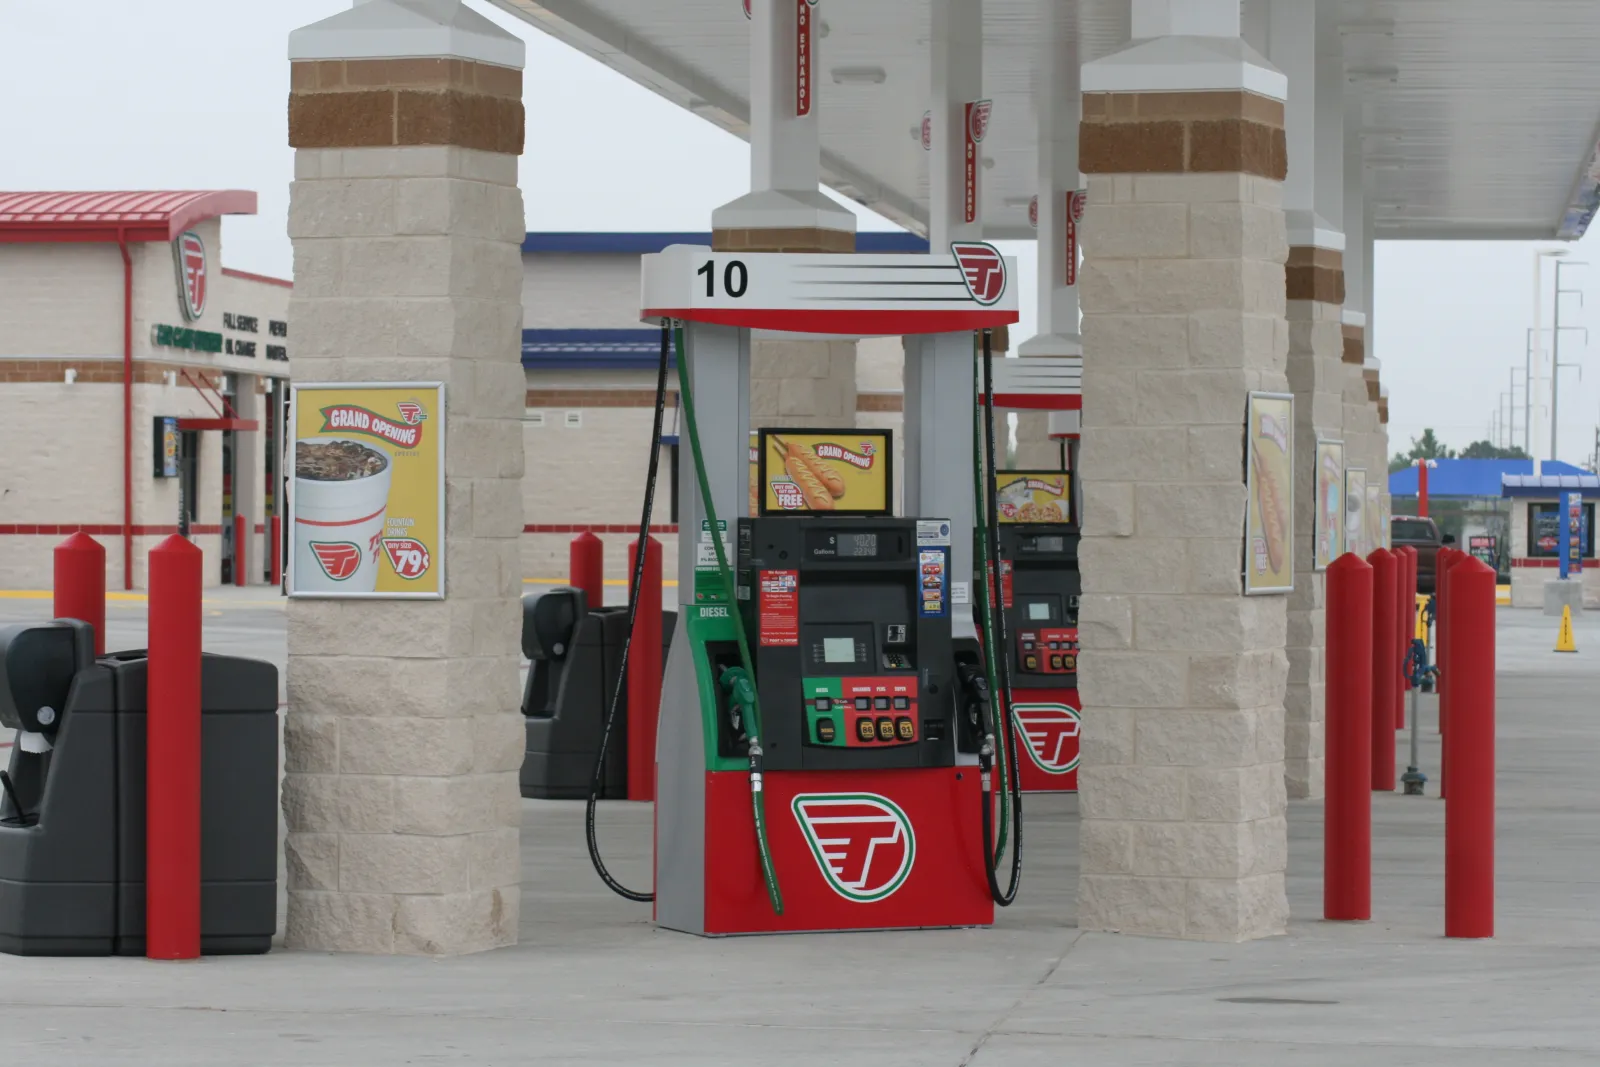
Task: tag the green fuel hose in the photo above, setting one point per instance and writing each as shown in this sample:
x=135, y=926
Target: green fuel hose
x=739, y=682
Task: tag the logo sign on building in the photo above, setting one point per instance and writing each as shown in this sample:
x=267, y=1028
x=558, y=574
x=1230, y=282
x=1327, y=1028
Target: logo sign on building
x=189, y=254
x=927, y=131
x=366, y=501
x=1328, y=536
x=983, y=268
x=1051, y=735
x=1075, y=202
x=863, y=843
x=1269, y=478
x=837, y=472
x=1033, y=213
x=977, y=125
x=804, y=20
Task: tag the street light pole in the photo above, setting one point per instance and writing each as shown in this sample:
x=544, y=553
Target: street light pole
x=1555, y=352
x=1539, y=256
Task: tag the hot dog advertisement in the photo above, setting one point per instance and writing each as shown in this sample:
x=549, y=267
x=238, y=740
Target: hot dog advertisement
x=1033, y=496
x=1269, y=476
x=366, y=493
x=1329, y=534
x=838, y=472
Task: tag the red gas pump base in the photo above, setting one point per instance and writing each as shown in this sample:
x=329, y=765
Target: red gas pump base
x=894, y=850
x=1047, y=723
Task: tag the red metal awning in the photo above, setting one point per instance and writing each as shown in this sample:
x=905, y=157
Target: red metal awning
x=108, y=216
x=219, y=424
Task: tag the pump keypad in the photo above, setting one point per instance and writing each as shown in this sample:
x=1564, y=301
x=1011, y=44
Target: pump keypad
x=854, y=712
x=1053, y=651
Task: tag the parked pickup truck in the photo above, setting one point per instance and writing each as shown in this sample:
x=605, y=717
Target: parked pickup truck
x=1422, y=535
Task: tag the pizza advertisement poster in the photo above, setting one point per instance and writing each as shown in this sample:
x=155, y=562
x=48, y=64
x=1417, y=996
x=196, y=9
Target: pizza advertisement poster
x=1355, y=512
x=366, y=491
x=1033, y=496
x=829, y=472
x=1328, y=535
x=1269, y=479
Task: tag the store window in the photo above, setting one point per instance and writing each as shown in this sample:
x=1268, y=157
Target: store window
x=1544, y=530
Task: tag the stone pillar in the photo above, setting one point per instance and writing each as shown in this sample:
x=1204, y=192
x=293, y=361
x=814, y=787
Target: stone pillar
x=793, y=381
x=1360, y=423
x=248, y=469
x=1059, y=103
x=1182, y=676
x=402, y=734
x=1314, y=277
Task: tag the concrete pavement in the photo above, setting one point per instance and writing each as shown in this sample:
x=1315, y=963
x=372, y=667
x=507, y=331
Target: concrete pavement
x=593, y=983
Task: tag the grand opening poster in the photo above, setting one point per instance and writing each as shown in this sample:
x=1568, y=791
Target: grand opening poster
x=366, y=502
x=1269, y=477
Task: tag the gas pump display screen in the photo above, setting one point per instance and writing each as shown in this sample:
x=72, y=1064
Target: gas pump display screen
x=858, y=545
x=838, y=650
x=1040, y=609
x=836, y=544
x=1047, y=544
x=1038, y=612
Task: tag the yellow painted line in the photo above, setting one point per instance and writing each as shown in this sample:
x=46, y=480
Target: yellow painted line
x=672, y=582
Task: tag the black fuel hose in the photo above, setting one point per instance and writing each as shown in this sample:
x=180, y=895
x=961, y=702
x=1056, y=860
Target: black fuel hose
x=635, y=587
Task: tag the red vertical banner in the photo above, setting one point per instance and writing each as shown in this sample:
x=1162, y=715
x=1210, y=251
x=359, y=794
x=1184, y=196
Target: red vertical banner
x=802, y=57
x=1075, y=199
x=976, y=123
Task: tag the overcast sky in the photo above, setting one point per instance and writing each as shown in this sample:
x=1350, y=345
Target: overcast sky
x=192, y=94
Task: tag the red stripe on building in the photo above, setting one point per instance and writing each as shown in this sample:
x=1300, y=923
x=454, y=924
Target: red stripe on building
x=1551, y=564
x=98, y=529
x=595, y=528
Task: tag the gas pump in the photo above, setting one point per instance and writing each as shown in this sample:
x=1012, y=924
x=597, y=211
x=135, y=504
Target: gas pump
x=828, y=719
x=1040, y=586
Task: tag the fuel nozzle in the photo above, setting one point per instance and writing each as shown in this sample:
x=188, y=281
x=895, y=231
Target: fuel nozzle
x=741, y=690
x=976, y=685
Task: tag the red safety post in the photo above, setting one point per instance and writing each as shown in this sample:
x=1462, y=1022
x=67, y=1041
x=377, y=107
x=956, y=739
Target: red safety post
x=1469, y=756
x=587, y=568
x=644, y=674
x=241, y=554
x=1385, y=668
x=1405, y=622
x=1347, y=828
x=80, y=584
x=172, y=754
x=275, y=541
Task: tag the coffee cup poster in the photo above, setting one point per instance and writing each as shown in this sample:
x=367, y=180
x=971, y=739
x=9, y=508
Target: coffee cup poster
x=366, y=499
x=839, y=472
x=1269, y=478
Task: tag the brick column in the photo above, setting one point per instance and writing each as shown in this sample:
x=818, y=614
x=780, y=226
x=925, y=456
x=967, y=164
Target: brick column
x=1315, y=289
x=1181, y=786
x=403, y=738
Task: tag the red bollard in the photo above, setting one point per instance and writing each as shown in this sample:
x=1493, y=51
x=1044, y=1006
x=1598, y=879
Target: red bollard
x=1407, y=595
x=644, y=674
x=172, y=754
x=80, y=584
x=1469, y=756
x=1385, y=671
x=587, y=568
x=241, y=554
x=1347, y=829
x=275, y=543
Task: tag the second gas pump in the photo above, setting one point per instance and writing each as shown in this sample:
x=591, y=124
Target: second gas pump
x=828, y=753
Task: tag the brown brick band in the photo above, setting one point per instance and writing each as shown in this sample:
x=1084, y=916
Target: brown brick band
x=1383, y=410
x=1355, y=345
x=380, y=103
x=1315, y=274
x=100, y=371
x=1182, y=133
x=796, y=239
x=644, y=398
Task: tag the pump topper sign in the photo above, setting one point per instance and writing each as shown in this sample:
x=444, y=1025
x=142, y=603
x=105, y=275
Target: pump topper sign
x=977, y=125
x=189, y=255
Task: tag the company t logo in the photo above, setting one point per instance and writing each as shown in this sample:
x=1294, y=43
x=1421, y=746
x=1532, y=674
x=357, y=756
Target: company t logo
x=982, y=268
x=339, y=559
x=1051, y=732
x=863, y=842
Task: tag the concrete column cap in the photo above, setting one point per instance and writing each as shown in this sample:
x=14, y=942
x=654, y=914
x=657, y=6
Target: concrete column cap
x=405, y=29
x=1307, y=229
x=1183, y=65
x=1351, y=317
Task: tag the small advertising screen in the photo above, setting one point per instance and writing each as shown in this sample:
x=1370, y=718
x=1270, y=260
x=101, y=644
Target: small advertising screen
x=1033, y=496
x=826, y=472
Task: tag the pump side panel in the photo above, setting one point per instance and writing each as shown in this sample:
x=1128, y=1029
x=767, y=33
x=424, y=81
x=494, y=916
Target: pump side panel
x=680, y=791
x=942, y=883
x=1047, y=738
